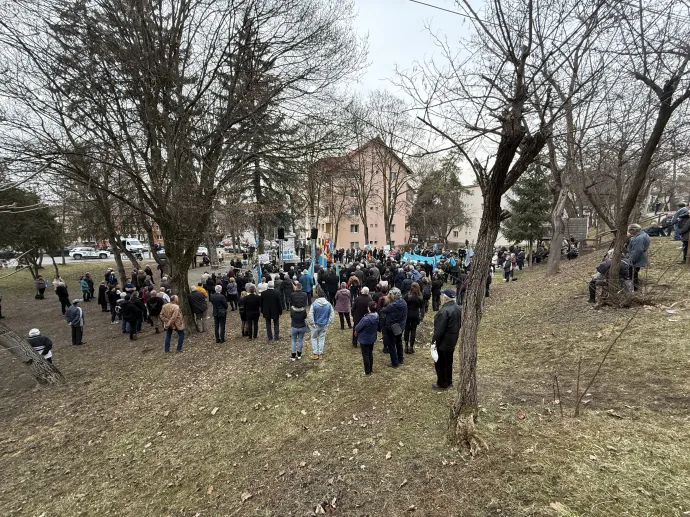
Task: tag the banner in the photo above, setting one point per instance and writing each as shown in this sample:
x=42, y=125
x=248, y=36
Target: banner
x=408, y=257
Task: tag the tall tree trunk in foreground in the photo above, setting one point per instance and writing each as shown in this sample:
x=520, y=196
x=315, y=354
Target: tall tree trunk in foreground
x=42, y=370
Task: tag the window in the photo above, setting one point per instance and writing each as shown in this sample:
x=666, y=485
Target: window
x=371, y=225
x=354, y=228
x=455, y=233
x=394, y=176
x=392, y=228
x=353, y=211
x=354, y=245
x=376, y=225
x=376, y=242
x=392, y=244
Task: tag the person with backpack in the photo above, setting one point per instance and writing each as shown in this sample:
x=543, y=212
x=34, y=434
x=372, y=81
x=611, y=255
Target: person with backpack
x=321, y=315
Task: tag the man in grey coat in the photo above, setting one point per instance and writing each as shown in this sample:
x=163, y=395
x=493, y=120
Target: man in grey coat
x=637, y=251
x=75, y=318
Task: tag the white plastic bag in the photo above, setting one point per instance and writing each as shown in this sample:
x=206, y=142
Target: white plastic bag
x=434, y=352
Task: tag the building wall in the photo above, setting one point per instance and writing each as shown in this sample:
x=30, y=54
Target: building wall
x=351, y=227
x=474, y=205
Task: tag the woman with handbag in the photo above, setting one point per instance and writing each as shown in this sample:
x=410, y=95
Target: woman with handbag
x=415, y=308
x=365, y=332
x=396, y=316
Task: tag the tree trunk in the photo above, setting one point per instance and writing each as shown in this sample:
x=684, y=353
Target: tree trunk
x=180, y=256
x=42, y=370
x=464, y=410
x=558, y=227
x=57, y=272
x=212, y=252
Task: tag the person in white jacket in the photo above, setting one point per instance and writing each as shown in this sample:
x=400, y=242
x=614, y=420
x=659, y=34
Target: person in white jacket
x=321, y=315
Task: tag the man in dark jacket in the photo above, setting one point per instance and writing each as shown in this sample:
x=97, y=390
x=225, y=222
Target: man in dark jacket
x=436, y=286
x=141, y=307
x=154, y=306
x=252, y=310
x=446, y=334
x=130, y=314
x=199, y=307
x=359, y=309
x=271, y=308
x=220, y=312
x=330, y=285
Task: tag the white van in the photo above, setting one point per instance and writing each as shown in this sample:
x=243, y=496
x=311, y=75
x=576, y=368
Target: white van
x=133, y=245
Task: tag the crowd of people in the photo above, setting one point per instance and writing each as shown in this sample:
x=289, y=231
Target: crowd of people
x=373, y=299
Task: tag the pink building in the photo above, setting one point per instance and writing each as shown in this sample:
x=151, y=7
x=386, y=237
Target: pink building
x=360, y=188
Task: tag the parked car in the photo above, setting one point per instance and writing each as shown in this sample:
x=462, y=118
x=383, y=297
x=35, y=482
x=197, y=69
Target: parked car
x=89, y=253
x=201, y=250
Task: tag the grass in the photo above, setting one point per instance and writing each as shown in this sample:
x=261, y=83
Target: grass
x=132, y=433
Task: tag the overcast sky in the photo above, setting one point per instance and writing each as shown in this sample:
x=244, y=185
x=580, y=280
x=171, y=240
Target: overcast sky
x=397, y=35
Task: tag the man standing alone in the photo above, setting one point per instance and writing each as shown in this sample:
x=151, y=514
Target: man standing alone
x=446, y=334
x=172, y=319
x=75, y=317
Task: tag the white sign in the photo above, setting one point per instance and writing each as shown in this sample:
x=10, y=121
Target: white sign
x=263, y=258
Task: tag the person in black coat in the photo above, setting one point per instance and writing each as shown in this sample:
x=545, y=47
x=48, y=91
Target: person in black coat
x=63, y=295
x=220, y=312
x=436, y=286
x=155, y=306
x=415, y=308
x=141, y=307
x=103, y=297
x=359, y=309
x=271, y=308
x=130, y=314
x=199, y=307
x=252, y=311
x=446, y=334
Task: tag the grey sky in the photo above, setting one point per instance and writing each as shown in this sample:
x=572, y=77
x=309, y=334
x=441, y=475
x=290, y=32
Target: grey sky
x=397, y=35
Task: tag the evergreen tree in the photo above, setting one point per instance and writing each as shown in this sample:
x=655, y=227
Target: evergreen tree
x=529, y=208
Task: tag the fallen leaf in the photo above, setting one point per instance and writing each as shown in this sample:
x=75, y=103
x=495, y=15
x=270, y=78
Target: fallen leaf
x=215, y=410
x=209, y=490
x=281, y=473
x=316, y=453
x=404, y=482
x=355, y=451
x=559, y=507
x=302, y=463
x=304, y=411
x=670, y=311
x=521, y=415
x=411, y=508
x=400, y=444
x=245, y=496
x=166, y=413
x=330, y=481
x=362, y=467
x=147, y=445
x=593, y=457
x=244, y=420
x=319, y=509
x=389, y=455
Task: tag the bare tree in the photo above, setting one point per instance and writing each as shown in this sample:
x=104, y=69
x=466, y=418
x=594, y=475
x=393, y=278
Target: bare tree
x=166, y=90
x=483, y=106
x=43, y=371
